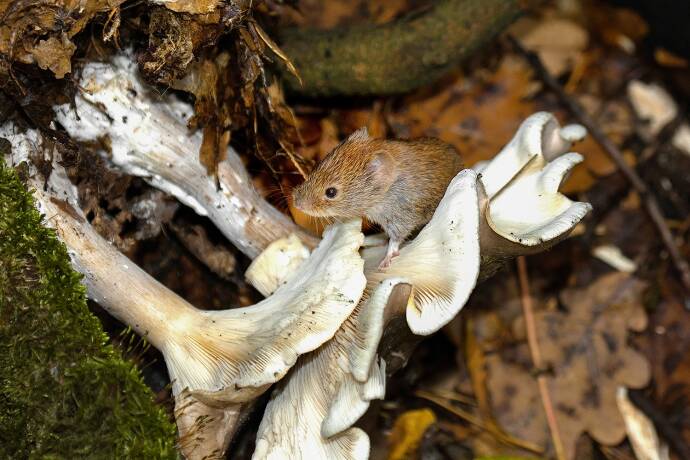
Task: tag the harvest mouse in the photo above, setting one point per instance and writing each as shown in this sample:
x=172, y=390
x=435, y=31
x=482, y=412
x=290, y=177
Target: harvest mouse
x=394, y=183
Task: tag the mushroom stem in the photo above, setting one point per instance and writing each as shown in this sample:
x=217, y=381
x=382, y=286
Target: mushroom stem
x=149, y=138
x=126, y=291
x=207, y=430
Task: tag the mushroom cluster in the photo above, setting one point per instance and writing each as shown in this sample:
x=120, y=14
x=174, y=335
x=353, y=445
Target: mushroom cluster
x=510, y=207
x=333, y=326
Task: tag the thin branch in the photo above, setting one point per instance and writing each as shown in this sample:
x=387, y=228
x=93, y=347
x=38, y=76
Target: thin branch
x=616, y=155
x=535, y=352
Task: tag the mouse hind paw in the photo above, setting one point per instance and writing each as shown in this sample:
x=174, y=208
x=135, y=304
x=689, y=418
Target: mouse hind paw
x=393, y=251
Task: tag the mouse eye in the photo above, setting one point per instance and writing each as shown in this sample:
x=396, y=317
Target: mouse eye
x=331, y=192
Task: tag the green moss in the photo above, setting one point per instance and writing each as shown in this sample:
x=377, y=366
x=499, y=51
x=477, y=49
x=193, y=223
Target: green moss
x=64, y=391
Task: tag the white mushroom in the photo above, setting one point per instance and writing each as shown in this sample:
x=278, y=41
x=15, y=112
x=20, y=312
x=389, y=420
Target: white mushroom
x=331, y=388
x=641, y=432
x=311, y=413
x=525, y=213
x=538, y=136
x=478, y=223
x=276, y=264
x=221, y=359
x=149, y=138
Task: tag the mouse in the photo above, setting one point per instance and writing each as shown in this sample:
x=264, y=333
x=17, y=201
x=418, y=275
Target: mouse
x=395, y=183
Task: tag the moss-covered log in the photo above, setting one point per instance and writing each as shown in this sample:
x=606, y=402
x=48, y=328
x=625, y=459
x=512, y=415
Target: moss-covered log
x=64, y=391
x=396, y=57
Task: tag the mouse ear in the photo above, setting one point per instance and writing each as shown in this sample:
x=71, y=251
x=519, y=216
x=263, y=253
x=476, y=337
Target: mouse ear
x=381, y=166
x=359, y=135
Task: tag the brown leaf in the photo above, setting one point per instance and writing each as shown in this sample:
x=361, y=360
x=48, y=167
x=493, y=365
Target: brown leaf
x=586, y=349
x=54, y=54
x=407, y=433
x=464, y=111
x=558, y=42
x=213, y=148
x=268, y=41
x=40, y=32
x=191, y=6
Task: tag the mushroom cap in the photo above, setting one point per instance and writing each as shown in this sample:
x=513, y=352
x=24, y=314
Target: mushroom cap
x=276, y=264
x=522, y=207
x=529, y=210
x=442, y=262
x=234, y=355
x=539, y=135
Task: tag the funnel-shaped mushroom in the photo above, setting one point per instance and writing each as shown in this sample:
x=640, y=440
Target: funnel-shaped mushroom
x=522, y=208
x=253, y=346
x=539, y=135
x=221, y=358
x=530, y=211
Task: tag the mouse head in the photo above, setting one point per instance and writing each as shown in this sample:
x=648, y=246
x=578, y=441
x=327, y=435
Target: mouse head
x=353, y=178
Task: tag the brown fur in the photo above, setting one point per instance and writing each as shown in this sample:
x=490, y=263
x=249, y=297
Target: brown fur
x=394, y=183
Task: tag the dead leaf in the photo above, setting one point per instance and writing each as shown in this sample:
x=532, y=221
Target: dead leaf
x=668, y=59
x=319, y=136
x=586, y=349
x=653, y=105
x=558, y=42
x=268, y=41
x=407, y=433
x=171, y=48
x=189, y=6
x=54, y=54
x=463, y=111
x=40, y=32
x=620, y=27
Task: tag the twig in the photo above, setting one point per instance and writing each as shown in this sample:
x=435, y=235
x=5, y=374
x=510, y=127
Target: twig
x=616, y=155
x=535, y=352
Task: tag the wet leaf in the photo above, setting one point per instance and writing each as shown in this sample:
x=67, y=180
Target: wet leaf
x=586, y=350
x=407, y=433
x=464, y=111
